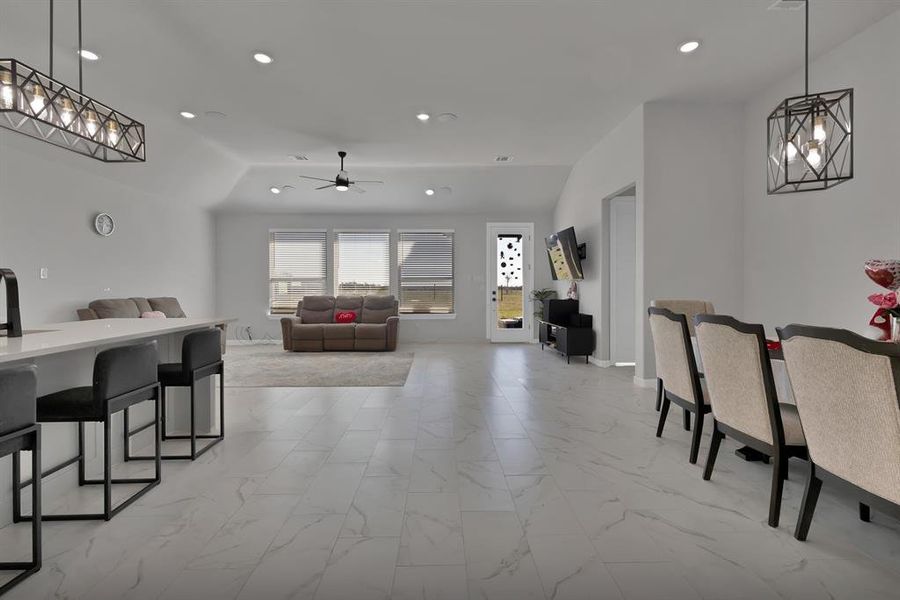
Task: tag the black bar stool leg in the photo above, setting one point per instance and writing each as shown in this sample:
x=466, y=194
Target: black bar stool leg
x=193, y=420
x=16, y=481
x=107, y=467
x=81, y=467
x=162, y=391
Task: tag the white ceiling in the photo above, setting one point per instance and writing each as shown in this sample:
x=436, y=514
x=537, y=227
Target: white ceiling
x=540, y=80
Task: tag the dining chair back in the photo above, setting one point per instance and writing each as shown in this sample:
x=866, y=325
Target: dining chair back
x=688, y=308
x=739, y=377
x=678, y=381
x=846, y=389
x=675, y=363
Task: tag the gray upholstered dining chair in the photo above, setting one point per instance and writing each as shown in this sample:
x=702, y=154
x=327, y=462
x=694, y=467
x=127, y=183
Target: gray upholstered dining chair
x=677, y=368
x=846, y=388
x=744, y=402
x=690, y=309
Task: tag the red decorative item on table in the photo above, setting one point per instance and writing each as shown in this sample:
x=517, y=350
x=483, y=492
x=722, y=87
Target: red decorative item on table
x=885, y=273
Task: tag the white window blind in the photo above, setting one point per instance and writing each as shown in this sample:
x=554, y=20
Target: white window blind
x=362, y=263
x=297, y=268
x=426, y=272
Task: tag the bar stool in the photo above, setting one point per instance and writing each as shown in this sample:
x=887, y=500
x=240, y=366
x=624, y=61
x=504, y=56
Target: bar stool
x=123, y=377
x=201, y=355
x=18, y=432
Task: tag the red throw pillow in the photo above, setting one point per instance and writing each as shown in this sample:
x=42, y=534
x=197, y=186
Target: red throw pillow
x=345, y=316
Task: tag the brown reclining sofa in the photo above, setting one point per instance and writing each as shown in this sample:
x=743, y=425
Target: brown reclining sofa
x=314, y=329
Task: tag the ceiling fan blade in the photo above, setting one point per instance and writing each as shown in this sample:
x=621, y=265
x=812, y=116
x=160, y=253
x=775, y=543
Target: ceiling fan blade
x=325, y=187
x=314, y=178
x=357, y=189
x=367, y=181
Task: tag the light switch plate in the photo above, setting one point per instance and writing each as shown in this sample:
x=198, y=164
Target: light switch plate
x=45, y=272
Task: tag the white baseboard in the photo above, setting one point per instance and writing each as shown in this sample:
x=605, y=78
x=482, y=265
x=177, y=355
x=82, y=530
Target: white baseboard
x=600, y=363
x=647, y=383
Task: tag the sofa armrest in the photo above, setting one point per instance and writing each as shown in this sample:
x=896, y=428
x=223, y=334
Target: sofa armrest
x=287, y=324
x=393, y=324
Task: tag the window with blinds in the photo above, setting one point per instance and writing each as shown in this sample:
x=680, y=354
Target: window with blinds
x=297, y=268
x=362, y=263
x=426, y=272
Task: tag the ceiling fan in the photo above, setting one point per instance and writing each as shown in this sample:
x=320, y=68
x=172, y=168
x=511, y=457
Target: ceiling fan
x=342, y=182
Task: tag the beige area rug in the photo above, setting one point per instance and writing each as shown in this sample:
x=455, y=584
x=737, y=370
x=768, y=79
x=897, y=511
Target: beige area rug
x=268, y=365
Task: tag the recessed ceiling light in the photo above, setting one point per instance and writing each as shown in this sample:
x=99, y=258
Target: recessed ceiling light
x=275, y=190
x=89, y=55
x=446, y=117
x=503, y=158
x=423, y=117
x=429, y=192
x=187, y=114
x=262, y=58
x=689, y=46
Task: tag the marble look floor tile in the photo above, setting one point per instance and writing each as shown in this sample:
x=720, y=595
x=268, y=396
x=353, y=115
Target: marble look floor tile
x=220, y=583
x=499, y=563
x=570, y=568
x=519, y=456
x=355, y=446
x=332, y=489
x=542, y=508
x=482, y=486
x=430, y=583
x=377, y=508
x=392, y=458
x=434, y=471
x=432, y=530
x=652, y=581
x=292, y=476
x=359, y=568
x=293, y=564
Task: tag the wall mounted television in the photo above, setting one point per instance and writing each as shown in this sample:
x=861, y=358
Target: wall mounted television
x=565, y=255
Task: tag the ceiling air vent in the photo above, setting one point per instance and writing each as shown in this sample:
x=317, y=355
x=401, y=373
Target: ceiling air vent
x=299, y=157
x=503, y=159
x=787, y=5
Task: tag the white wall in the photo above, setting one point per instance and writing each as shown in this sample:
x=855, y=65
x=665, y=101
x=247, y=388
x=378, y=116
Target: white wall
x=614, y=164
x=804, y=253
x=686, y=167
x=242, y=266
x=164, y=238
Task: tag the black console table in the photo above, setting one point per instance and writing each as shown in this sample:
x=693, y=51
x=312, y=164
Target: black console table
x=568, y=340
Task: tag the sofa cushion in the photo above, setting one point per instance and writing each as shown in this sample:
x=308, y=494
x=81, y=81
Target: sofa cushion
x=142, y=304
x=317, y=309
x=115, y=308
x=376, y=309
x=169, y=306
x=339, y=331
x=304, y=331
x=348, y=303
x=371, y=331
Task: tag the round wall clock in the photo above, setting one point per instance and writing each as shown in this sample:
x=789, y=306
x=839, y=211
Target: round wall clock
x=104, y=224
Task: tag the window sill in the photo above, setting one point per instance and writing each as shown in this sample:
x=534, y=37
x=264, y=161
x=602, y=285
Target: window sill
x=424, y=317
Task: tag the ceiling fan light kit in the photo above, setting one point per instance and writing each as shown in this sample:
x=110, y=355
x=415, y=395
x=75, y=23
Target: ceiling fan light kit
x=39, y=106
x=810, y=139
x=342, y=182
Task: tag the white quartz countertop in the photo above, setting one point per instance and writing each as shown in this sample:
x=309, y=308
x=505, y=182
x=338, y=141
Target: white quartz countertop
x=55, y=338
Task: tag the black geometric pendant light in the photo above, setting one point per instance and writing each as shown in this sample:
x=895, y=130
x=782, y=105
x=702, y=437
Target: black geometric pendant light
x=810, y=140
x=41, y=107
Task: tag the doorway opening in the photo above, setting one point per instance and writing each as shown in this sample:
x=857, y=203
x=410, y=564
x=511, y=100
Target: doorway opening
x=620, y=272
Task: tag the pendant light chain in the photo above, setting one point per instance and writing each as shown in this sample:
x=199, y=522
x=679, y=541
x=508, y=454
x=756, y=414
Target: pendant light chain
x=80, y=57
x=806, y=48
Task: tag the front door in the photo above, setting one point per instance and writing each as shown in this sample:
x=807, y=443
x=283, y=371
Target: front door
x=510, y=277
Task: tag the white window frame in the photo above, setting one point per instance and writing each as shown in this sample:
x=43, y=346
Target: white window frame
x=427, y=316
x=272, y=230
x=333, y=261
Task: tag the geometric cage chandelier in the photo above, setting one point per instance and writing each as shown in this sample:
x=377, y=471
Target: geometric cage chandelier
x=41, y=107
x=810, y=140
